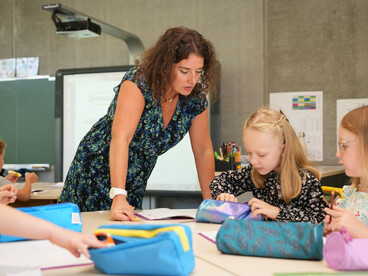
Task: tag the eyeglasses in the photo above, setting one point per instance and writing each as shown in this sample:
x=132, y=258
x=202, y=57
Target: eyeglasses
x=343, y=146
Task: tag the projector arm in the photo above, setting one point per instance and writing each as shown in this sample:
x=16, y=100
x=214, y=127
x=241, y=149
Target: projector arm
x=135, y=45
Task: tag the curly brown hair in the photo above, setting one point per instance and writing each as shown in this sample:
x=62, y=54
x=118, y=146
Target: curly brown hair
x=172, y=47
x=2, y=146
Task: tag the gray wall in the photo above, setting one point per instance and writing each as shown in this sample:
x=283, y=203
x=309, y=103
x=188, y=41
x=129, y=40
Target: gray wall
x=263, y=46
x=319, y=45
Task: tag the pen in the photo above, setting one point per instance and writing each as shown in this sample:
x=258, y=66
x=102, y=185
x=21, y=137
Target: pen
x=224, y=150
x=126, y=213
x=331, y=203
x=16, y=173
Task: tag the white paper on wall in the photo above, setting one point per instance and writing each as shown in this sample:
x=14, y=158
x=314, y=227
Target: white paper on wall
x=304, y=111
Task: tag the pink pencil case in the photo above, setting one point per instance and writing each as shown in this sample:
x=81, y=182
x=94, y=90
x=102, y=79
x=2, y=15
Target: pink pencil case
x=342, y=252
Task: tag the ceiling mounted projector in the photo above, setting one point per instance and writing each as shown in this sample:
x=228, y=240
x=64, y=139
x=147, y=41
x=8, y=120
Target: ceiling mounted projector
x=78, y=29
x=73, y=23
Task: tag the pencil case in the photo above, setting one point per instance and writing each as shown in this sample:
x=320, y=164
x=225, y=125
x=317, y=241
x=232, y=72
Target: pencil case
x=287, y=240
x=342, y=252
x=216, y=211
x=143, y=249
x=66, y=215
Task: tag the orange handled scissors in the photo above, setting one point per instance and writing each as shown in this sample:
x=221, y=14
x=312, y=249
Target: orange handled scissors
x=106, y=238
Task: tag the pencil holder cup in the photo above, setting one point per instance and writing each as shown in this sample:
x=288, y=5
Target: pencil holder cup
x=222, y=166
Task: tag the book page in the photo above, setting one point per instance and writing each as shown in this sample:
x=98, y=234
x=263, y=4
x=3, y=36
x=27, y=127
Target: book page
x=166, y=213
x=41, y=253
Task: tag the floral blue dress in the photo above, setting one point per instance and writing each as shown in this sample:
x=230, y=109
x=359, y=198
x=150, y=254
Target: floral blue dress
x=356, y=202
x=88, y=181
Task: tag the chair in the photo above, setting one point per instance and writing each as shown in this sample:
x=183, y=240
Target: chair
x=327, y=193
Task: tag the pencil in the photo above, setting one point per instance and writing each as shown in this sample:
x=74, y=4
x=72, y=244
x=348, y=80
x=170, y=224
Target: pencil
x=222, y=156
x=331, y=203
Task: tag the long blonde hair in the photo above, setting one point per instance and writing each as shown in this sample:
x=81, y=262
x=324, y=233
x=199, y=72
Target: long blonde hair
x=356, y=121
x=294, y=159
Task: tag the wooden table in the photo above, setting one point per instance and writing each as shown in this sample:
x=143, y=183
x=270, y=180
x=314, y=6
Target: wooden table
x=45, y=193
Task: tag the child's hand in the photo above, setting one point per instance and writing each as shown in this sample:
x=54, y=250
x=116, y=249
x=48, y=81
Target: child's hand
x=12, y=178
x=342, y=217
x=31, y=177
x=326, y=227
x=8, y=194
x=263, y=208
x=77, y=243
x=227, y=197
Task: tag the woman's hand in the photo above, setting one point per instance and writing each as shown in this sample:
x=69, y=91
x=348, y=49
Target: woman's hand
x=121, y=210
x=227, y=197
x=263, y=208
x=342, y=217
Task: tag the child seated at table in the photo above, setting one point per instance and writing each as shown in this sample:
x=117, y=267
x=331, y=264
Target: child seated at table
x=352, y=211
x=30, y=178
x=285, y=186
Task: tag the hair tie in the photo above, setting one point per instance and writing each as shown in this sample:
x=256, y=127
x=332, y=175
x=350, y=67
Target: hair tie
x=283, y=117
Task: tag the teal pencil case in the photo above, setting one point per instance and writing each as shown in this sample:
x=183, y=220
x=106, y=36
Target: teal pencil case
x=145, y=249
x=286, y=240
x=65, y=215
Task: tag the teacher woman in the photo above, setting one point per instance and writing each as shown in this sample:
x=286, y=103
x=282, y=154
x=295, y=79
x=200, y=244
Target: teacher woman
x=155, y=105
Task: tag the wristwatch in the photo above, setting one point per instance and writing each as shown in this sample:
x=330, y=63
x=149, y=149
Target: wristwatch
x=117, y=191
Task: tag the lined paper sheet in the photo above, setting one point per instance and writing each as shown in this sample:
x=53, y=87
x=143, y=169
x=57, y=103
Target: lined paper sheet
x=20, y=271
x=209, y=235
x=58, y=185
x=42, y=254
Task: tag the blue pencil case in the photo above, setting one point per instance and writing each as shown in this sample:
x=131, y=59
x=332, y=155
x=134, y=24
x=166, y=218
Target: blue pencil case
x=145, y=250
x=217, y=211
x=65, y=215
x=287, y=240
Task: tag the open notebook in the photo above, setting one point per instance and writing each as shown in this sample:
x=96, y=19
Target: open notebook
x=48, y=255
x=166, y=213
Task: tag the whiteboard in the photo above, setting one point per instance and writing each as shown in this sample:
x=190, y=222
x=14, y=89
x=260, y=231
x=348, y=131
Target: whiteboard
x=86, y=97
x=175, y=169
